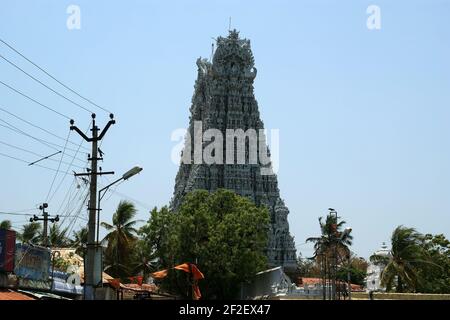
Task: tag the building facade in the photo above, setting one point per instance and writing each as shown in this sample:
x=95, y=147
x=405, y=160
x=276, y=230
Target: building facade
x=374, y=270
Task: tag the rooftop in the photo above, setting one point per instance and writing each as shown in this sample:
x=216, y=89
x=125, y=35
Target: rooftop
x=7, y=294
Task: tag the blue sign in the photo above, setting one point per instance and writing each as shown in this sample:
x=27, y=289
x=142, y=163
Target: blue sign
x=32, y=262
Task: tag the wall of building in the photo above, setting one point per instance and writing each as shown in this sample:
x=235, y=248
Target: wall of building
x=400, y=296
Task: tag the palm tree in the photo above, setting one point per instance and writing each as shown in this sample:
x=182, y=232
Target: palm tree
x=331, y=235
x=79, y=241
x=329, y=246
x=144, y=261
x=57, y=237
x=30, y=233
x=6, y=224
x=406, y=257
x=120, y=239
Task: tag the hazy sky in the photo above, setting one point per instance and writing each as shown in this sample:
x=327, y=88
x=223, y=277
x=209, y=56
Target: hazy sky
x=363, y=114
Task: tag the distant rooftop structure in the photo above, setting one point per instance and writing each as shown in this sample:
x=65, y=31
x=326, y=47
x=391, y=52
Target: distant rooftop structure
x=375, y=270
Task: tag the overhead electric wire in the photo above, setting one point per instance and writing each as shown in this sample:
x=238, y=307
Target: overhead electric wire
x=16, y=214
x=34, y=100
x=59, y=166
x=72, y=199
x=42, y=141
x=24, y=161
x=52, y=77
x=142, y=204
x=69, y=189
x=46, y=86
x=36, y=126
x=21, y=211
x=38, y=155
x=75, y=217
x=69, y=167
x=69, y=194
x=27, y=214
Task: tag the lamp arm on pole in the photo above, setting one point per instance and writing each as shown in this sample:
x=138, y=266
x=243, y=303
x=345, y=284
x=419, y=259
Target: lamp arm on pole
x=100, y=197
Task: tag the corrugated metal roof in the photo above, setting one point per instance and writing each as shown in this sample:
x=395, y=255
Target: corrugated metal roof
x=44, y=295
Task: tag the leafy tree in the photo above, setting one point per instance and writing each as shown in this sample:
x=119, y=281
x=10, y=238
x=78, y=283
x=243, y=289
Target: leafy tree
x=436, y=274
x=5, y=224
x=307, y=267
x=120, y=240
x=143, y=260
x=357, y=267
x=158, y=236
x=224, y=234
x=30, y=233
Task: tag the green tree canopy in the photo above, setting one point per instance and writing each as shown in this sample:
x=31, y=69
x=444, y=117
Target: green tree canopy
x=435, y=275
x=224, y=234
x=5, y=224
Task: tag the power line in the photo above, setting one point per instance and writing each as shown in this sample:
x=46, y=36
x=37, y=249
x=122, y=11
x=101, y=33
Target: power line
x=59, y=166
x=46, y=86
x=34, y=100
x=69, y=194
x=48, y=74
x=138, y=202
x=42, y=141
x=22, y=211
x=24, y=161
x=37, y=154
x=68, y=168
x=16, y=214
x=38, y=127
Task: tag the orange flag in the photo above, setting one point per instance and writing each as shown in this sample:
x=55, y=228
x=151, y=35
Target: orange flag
x=191, y=268
x=160, y=274
x=183, y=267
x=196, y=290
x=197, y=273
x=188, y=268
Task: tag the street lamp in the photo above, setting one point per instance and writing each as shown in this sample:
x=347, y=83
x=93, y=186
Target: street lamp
x=334, y=226
x=127, y=175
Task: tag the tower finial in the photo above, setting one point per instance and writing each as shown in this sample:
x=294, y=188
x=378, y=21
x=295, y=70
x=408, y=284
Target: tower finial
x=229, y=25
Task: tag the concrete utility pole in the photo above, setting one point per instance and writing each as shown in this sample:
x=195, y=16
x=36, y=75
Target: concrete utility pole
x=46, y=219
x=92, y=245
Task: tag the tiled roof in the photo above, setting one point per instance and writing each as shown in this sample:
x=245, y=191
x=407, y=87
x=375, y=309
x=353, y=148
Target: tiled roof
x=301, y=281
x=7, y=294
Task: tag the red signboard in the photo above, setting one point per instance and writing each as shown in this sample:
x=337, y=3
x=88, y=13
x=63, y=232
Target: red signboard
x=7, y=250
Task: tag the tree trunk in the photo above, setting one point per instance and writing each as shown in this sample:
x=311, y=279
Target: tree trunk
x=399, y=284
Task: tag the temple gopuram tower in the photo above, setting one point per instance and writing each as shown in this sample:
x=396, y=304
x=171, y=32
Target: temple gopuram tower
x=224, y=99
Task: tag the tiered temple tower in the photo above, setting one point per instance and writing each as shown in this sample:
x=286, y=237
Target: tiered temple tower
x=224, y=99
